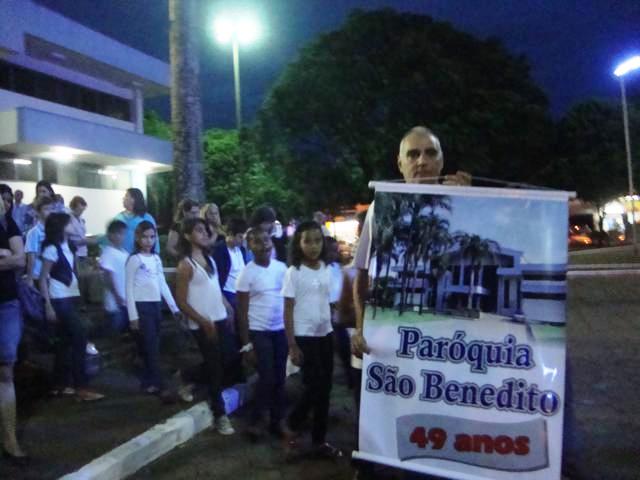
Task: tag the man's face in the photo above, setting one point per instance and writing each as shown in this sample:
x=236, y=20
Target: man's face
x=420, y=158
x=18, y=196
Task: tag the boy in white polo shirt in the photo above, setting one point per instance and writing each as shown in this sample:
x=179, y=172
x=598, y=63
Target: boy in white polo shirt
x=261, y=324
x=113, y=260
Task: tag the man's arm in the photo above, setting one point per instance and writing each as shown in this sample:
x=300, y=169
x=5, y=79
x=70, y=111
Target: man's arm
x=360, y=288
x=16, y=259
x=242, y=299
x=172, y=243
x=110, y=285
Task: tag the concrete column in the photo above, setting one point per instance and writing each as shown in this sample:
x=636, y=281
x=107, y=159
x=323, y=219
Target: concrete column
x=138, y=108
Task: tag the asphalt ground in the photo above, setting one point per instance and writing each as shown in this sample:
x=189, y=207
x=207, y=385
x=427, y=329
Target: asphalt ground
x=62, y=435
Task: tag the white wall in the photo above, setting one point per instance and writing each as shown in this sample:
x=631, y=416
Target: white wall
x=102, y=205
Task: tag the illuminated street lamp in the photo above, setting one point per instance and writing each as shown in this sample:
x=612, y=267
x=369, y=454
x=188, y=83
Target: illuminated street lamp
x=623, y=69
x=237, y=30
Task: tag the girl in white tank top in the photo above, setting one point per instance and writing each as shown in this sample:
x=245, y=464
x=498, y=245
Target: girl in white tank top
x=199, y=297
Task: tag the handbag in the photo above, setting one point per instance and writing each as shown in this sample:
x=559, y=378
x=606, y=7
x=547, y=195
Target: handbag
x=32, y=305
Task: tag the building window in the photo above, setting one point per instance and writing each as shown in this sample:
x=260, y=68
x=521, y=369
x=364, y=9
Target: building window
x=73, y=174
x=46, y=87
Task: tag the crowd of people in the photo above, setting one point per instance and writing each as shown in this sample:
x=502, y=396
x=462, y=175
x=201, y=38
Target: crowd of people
x=250, y=293
x=250, y=297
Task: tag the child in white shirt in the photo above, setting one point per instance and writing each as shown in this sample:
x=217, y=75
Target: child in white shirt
x=145, y=289
x=113, y=261
x=261, y=328
x=310, y=335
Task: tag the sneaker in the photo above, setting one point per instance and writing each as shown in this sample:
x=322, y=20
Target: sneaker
x=68, y=391
x=290, y=447
x=185, y=392
x=255, y=432
x=88, y=396
x=223, y=425
x=276, y=430
x=327, y=451
x=91, y=349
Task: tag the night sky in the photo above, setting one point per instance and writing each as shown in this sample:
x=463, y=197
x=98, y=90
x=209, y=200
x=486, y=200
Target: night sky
x=572, y=46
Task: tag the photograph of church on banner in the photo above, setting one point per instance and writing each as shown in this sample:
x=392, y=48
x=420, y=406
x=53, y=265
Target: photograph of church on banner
x=421, y=263
x=466, y=325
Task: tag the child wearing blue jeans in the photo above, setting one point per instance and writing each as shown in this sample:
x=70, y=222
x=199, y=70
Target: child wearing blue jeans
x=145, y=289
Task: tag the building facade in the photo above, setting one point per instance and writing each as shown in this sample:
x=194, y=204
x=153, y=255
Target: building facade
x=71, y=110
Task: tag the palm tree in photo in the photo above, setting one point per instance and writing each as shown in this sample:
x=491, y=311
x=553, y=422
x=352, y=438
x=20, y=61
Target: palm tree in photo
x=387, y=209
x=422, y=225
x=477, y=249
x=435, y=240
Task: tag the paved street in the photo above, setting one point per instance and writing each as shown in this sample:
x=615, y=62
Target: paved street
x=604, y=339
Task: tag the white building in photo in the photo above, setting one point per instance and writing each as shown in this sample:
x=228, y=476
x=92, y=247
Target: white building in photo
x=71, y=110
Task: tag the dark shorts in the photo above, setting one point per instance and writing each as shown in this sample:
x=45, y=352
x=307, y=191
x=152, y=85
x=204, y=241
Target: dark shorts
x=10, y=331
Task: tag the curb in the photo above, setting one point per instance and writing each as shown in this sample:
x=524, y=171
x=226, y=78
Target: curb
x=604, y=266
x=602, y=273
x=129, y=457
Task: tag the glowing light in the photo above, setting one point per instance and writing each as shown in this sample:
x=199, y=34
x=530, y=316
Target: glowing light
x=63, y=154
x=21, y=161
x=614, y=208
x=243, y=29
x=61, y=157
x=108, y=172
x=627, y=66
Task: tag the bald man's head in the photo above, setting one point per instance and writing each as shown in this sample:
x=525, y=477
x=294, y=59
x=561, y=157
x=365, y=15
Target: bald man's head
x=420, y=158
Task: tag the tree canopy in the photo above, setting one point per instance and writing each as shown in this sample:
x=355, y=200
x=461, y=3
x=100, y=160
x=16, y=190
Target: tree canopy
x=591, y=156
x=230, y=180
x=335, y=116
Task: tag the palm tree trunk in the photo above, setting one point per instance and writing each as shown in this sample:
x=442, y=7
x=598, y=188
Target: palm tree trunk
x=186, y=110
x=471, y=282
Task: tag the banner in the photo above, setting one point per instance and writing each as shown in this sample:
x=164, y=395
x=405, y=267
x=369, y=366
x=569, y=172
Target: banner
x=466, y=326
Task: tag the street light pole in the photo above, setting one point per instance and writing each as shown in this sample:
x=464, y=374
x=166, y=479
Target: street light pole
x=236, y=83
x=237, y=29
x=627, y=144
x=623, y=69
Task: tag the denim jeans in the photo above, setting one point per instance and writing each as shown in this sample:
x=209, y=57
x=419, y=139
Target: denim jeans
x=150, y=316
x=317, y=378
x=230, y=344
x=71, y=349
x=118, y=320
x=10, y=331
x=271, y=354
x=212, y=369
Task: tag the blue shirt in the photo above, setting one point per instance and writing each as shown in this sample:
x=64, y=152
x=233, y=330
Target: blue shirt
x=18, y=213
x=132, y=222
x=33, y=244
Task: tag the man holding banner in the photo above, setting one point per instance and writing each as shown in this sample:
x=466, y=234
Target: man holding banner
x=465, y=324
x=420, y=160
